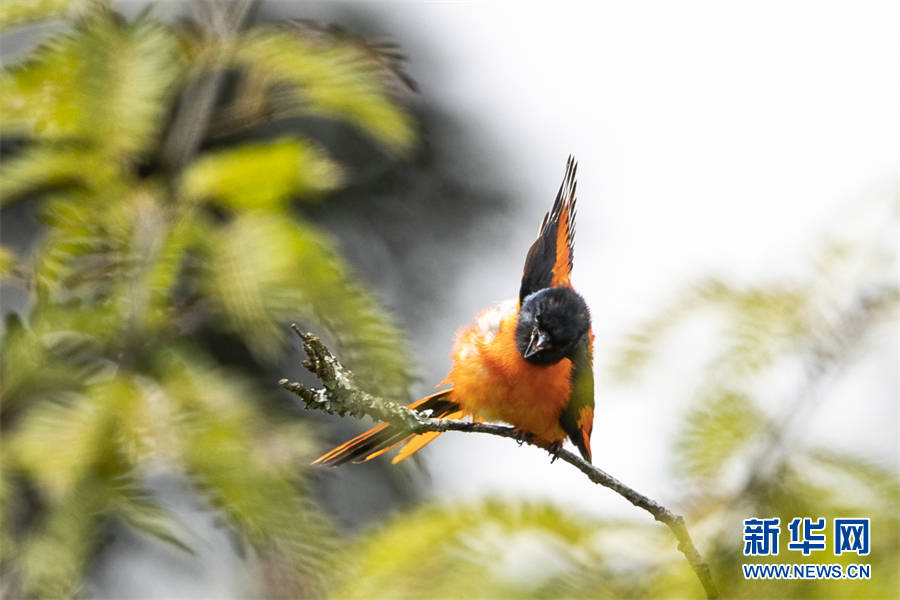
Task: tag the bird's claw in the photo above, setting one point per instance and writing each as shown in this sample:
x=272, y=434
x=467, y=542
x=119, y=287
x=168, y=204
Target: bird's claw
x=523, y=437
x=554, y=449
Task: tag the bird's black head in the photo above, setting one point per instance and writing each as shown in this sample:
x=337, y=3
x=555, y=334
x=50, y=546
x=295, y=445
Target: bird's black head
x=551, y=323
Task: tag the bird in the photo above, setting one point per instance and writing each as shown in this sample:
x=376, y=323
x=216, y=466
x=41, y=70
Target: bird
x=527, y=361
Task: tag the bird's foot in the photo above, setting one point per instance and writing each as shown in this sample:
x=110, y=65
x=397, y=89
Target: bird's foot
x=554, y=449
x=523, y=437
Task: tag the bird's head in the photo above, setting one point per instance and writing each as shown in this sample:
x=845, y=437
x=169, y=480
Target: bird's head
x=551, y=324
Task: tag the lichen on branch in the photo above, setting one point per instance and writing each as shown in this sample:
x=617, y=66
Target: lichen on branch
x=339, y=396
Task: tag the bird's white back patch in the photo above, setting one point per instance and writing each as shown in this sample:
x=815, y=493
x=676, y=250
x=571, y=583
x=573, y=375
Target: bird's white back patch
x=488, y=321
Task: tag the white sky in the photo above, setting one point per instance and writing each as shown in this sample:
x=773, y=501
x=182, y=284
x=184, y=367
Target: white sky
x=713, y=139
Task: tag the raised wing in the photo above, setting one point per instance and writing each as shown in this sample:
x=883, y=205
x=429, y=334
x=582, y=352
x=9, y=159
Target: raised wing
x=549, y=261
x=577, y=418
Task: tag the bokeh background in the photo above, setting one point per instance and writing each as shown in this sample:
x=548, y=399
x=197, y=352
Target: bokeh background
x=182, y=180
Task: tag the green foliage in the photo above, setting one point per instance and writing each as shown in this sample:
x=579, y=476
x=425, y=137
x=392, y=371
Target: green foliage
x=442, y=551
x=759, y=324
x=8, y=262
x=717, y=428
x=50, y=167
x=744, y=459
x=251, y=474
x=22, y=12
x=261, y=176
x=502, y=549
x=106, y=84
x=247, y=273
x=323, y=73
x=140, y=272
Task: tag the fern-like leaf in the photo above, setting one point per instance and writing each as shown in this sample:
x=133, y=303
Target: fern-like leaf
x=15, y=13
x=139, y=510
x=264, y=271
x=715, y=430
x=497, y=550
x=9, y=262
x=53, y=166
x=107, y=83
x=53, y=558
x=324, y=75
x=224, y=450
x=261, y=176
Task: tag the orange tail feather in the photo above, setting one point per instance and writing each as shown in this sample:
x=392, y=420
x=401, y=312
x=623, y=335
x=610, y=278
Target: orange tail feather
x=383, y=437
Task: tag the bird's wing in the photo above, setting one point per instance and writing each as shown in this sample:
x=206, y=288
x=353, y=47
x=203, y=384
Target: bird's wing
x=549, y=261
x=577, y=418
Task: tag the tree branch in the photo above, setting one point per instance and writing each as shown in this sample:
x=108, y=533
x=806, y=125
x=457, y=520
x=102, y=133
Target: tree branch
x=339, y=396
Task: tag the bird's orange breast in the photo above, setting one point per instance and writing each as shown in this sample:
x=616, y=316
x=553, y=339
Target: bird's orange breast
x=493, y=382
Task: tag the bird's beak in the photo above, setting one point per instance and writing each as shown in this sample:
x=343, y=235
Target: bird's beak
x=539, y=341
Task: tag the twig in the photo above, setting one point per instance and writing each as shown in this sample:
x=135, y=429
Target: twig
x=339, y=396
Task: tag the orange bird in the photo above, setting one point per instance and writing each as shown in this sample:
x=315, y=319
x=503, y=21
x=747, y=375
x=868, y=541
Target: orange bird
x=526, y=361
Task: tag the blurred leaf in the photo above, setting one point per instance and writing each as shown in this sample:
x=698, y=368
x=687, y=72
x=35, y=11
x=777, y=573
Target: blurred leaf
x=487, y=550
x=85, y=249
x=60, y=353
x=51, y=166
x=54, y=557
x=15, y=13
x=639, y=346
x=761, y=324
x=139, y=511
x=261, y=176
x=509, y=549
x=10, y=507
x=8, y=262
x=223, y=448
x=878, y=479
x=22, y=371
x=764, y=324
x=80, y=427
x=803, y=333
x=164, y=269
x=324, y=75
x=719, y=426
x=106, y=82
x=262, y=271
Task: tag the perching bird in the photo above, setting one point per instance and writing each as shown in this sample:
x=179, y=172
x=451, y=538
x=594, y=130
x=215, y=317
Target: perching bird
x=526, y=361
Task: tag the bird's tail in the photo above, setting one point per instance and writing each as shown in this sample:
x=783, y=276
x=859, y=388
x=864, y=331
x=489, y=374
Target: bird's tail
x=383, y=437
